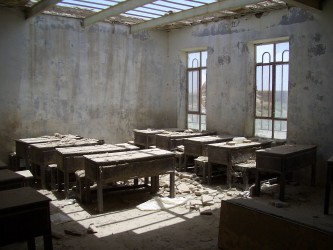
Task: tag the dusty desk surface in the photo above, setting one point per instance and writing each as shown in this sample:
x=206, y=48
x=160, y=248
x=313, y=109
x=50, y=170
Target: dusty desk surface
x=170, y=140
x=128, y=156
x=286, y=150
x=209, y=138
x=147, y=137
x=90, y=149
x=66, y=143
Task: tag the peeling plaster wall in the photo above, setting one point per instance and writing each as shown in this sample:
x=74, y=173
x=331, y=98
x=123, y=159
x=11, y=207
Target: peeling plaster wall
x=99, y=82
x=230, y=74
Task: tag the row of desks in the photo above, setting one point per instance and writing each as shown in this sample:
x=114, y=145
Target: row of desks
x=73, y=156
x=167, y=139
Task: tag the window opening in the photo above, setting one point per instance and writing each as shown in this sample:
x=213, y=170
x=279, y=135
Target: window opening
x=196, y=90
x=272, y=77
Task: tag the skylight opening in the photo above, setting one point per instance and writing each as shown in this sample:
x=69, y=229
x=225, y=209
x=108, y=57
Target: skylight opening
x=142, y=14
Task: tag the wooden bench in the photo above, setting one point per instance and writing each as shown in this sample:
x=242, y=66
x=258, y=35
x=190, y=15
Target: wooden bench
x=202, y=163
x=244, y=170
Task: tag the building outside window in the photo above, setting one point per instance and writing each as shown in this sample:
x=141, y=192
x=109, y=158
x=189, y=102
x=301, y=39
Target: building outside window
x=196, y=90
x=272, y=77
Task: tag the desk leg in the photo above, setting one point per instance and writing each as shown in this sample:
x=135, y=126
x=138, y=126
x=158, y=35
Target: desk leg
x=31, y=244
x=327, y=189
x=257, y=184
x=282, y=186
x=66, y=183
x=100, y=195
x=172, y=184
x=229, y=177
x=313, y=174
x=60, y=177
x=204, y=172
x=87, y=191
x=48, y=242
x=154, y=184
x=209, y=172
x=43, y=176
x=183, y=166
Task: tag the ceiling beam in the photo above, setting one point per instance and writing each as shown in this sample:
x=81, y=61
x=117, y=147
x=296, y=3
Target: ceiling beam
x=305, y=4
x=114, y=11
x=39, y=7
x=197, y=11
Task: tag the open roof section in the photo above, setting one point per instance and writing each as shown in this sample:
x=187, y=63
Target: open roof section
x=148, y=14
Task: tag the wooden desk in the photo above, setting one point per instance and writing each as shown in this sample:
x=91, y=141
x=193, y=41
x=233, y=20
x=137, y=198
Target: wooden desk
x=24, y=215
x=197, y=146
x=3, y=165
x=170, y=140
x=112, y=167
x=224, y=154
x=329, y=179
x=70, y=159
x=22, y=145
x=43, y=154
x=10, y=180
x=147, y=137
x=283, y=159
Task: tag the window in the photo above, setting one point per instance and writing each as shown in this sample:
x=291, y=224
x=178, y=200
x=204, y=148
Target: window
x=196, y=90
x=272, y=75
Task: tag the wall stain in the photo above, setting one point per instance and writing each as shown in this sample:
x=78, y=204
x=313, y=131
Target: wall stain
x=317, y=37
x=142, y=35
x=320, y=98
x=222, y=28
x=317, y=50
x=223, y=60
x=296, y=15
x=210, y=50
x=312, y=78
x=242, y=47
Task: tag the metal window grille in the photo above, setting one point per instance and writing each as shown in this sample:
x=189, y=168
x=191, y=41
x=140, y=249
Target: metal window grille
x=196, y=90
x=272, y=77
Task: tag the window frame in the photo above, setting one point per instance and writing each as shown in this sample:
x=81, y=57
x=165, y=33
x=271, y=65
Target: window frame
x=271, y=117
x=198, y=69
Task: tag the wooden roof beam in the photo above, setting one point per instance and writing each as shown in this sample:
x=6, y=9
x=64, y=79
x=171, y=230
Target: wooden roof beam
x=114, y=11
x=306, y=4
x=39, y=7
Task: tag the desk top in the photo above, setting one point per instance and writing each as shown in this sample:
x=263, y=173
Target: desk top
x=209, y=138
x=157, y=131
x=66, y=143
x=330, y=160
x=19, y=198
x=8, y=176
x=239, y=145
x=129, y=156
x=91, y=149
x=285, y=150
x=47, y=138
x=184, y=134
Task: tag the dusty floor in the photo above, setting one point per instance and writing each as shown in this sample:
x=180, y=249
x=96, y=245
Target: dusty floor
x=192, y=225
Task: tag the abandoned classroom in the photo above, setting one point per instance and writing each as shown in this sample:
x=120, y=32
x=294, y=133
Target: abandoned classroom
x=190, y=124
